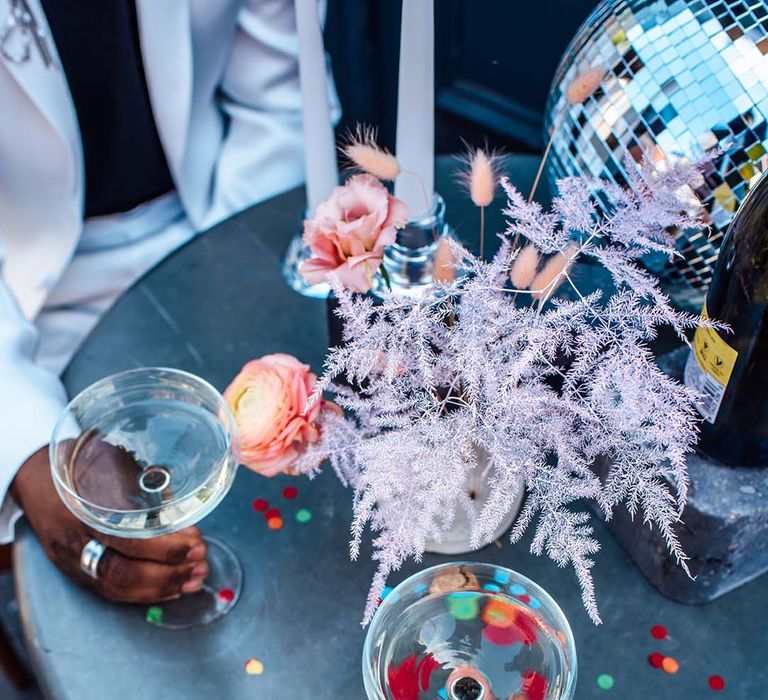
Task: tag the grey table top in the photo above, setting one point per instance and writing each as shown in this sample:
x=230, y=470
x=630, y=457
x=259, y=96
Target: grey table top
x=210, y=307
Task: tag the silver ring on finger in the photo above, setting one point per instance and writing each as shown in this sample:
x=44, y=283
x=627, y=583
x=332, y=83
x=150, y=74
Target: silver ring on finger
x=90, y=558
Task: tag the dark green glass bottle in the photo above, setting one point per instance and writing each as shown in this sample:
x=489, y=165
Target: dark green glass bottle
x=730, y=370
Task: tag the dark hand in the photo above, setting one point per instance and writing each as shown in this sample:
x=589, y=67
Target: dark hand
x=130, y=570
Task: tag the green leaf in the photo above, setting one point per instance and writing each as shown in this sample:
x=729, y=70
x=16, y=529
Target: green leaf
x=385, y=277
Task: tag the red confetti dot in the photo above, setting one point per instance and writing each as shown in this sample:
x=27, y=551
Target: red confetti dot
x=524, y=599
x=272, y=513
x=502, y=636
x=260, y=504
x=716, y=682
x=226, y=595
x=656, y=659
x=658, y=632
x=534, y=685
x=290, y=492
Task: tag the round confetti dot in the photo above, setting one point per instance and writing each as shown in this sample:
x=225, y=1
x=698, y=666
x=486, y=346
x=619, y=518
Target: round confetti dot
x=535, y=603
x=154, y=615
x=421, y=589
x=500, y=576
x=656, y=659
x=463, y=606
x=290, y=492
x=260, y=504
x=272, y=513
x=303, y=516
x=524, y=599
x=670, y=664
x=492, y=587
x=254, y=667
x=275, y=523
x=716, y=682
x=386, y=591
x=226, y=595
x=658, y=632
x=604, y=681
x=516, y=589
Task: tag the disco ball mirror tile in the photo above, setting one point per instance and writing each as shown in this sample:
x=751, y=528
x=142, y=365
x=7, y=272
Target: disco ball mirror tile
x=682, y=76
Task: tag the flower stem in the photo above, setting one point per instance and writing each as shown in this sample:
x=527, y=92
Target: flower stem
x=427, y=199
x=482, y=231
x=544, y=157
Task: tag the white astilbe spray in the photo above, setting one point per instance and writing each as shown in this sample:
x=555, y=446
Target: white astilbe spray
x=544, y=388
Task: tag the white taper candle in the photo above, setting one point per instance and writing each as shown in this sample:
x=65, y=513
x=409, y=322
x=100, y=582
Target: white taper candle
x=322, y=173
x=416, y=107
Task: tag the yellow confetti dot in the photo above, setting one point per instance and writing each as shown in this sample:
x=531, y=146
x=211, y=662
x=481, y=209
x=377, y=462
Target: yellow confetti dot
x=254, y=667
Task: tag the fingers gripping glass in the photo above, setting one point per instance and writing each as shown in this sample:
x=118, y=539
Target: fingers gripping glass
x=145, y=453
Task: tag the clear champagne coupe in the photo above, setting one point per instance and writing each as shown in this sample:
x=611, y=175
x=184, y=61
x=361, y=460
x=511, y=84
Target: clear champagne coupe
x=149, y=452
x=469, y=631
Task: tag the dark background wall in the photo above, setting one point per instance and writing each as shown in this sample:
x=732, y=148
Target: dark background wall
x=494, y=61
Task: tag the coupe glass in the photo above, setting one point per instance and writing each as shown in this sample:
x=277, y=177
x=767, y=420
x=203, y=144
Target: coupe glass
x=145, y=453
x=469, y=631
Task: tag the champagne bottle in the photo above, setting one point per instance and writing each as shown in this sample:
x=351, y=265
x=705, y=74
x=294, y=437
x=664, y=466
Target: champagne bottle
x=730, y=370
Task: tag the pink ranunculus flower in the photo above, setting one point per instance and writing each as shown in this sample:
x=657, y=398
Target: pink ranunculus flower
x=349, y=232
x=268, y=399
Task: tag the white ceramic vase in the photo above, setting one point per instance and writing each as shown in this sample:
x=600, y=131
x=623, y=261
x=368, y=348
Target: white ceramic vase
x=457, y=540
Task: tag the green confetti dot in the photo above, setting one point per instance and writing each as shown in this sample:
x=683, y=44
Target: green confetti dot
x=303, y=516
x=155, y=615
x=605, y=681
x=464, y=605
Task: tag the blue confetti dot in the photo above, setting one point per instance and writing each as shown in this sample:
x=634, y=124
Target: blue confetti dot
x=386, y=591
x=442, y=694
x=420, y=589
x=516, y=589
x=501, y=576
x=535, y=603
x=492, y=587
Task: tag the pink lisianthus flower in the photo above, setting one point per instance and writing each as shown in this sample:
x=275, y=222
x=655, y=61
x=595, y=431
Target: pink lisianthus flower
x=268, y=399
x=349, y=232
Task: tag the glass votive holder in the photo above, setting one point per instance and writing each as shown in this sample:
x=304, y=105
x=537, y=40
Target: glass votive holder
x=409, y=262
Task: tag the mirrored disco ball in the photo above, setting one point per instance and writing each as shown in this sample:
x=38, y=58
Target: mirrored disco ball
x=682, y=76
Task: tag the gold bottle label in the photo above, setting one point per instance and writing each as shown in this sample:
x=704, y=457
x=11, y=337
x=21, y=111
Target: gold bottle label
x=709, y=369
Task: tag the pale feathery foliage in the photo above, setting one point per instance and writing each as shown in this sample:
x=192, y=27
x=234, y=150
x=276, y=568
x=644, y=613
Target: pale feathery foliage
x=545, y=389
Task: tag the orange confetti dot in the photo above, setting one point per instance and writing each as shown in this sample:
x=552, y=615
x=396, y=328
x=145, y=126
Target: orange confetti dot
x=275, y=523
x=670, y=664
x=499, y=613
x=254, y=667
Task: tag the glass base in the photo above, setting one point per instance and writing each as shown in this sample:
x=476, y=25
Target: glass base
x=218, y=596
x=296, y=254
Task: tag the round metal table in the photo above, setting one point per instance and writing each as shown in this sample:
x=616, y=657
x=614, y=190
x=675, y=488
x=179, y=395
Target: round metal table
x=210, y=307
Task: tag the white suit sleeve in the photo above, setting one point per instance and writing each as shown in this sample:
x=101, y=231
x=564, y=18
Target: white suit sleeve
x=31, y=400
x=263, y=151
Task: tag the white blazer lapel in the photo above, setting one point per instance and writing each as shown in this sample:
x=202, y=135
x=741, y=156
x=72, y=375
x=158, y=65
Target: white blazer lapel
x=166, y=46
x=47, y=86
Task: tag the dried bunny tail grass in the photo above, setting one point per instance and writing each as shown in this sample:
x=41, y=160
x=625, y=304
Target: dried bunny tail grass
x=585, y=84
x=482, y=178
x=552, y=275
x=524, y=268
x=364, y=153
x=444, y=270
x=480, y=174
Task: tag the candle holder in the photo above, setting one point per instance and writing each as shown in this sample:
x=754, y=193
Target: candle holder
x=296, y=254
x=410, y=261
